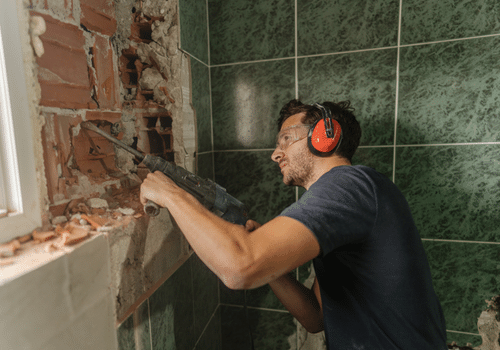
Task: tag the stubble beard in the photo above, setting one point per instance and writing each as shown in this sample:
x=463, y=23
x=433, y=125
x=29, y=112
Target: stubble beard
x=300, y=170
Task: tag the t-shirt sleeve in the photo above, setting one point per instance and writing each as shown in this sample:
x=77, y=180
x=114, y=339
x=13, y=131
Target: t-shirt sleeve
x=339, y=209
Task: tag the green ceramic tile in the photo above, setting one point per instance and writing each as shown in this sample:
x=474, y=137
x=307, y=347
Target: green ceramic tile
x=430, y=20
x=464, y=276
x=171, y=312
x=205, y=294
x=269, y=329
x=205, y=166
x=193, y=19
x=211, y=338
x=453, y=191
x=236, y=332
x=246, y=100
x=326, y=26
x=200, y=82
x=230, y=296
x=263, y=297
x=367, y=79
x=273, y=329
x=254, y=179
x=448, y=92
x=242, y=30
x=378, y=158
x=125, y=335
x=135, y=329
x=142, y=325
x=463, y=340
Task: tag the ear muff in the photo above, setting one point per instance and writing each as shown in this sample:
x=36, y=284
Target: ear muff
x=325, y=135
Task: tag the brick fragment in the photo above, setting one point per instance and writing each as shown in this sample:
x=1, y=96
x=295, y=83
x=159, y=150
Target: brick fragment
x=98, y=16
x=107, y=92
x=43, y=236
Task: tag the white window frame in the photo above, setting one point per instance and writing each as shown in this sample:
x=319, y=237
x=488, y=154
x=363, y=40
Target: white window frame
x=18, y=179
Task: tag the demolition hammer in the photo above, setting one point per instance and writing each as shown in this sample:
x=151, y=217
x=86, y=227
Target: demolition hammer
x=208, y=193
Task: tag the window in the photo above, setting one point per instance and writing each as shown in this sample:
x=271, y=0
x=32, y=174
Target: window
x=19, y=200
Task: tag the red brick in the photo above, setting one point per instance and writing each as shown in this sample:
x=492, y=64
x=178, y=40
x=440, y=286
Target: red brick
x=63, y=33
x=98, y=16
x=57, y=151
x=63, y=69
x=65, y=95
x=107, y=89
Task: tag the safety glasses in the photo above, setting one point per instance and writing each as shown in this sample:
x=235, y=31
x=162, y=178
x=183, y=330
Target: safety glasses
x=290, y=135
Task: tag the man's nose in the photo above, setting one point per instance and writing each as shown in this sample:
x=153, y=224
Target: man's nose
x=277, y=155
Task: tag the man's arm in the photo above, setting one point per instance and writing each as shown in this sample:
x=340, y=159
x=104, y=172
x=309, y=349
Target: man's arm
x=304, y=304
x=240, y=259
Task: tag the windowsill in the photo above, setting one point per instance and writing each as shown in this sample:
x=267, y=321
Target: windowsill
x=33, y=255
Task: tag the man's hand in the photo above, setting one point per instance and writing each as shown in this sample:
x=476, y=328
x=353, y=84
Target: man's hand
x=251, y=225
x=157, y=187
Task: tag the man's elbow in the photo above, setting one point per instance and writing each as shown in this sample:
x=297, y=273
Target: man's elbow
x=238, y=277
x=314, y=327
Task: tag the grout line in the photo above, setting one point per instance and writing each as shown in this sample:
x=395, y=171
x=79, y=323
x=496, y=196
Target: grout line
x=459, y=332
x=452, y=144
x=256, y=308
x=150, y=328
x=208, y=32
x=193, y=56
x=191, y=271
x=210, y=91
x=211, y=121
x=451, y=40
x=457, y=241
x=361, y=50
x=296, y=55
x=377, y=146
x=256, y=61
x=397, y=95
x=206, y=326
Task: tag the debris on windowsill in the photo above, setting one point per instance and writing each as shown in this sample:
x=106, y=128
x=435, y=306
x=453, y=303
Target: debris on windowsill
x=65, y=233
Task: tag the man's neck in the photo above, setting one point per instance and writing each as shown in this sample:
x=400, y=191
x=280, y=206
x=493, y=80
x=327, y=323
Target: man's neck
x=324, y=165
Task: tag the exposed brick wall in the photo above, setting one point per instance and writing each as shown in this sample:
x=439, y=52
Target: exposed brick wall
x=82, y=77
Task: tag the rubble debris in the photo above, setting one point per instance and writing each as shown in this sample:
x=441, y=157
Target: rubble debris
x=97, y=203
x=126, y=211
x=25, y=238
x=8, y=249
x=43, y=236
x=59, y=220
x=95, y=220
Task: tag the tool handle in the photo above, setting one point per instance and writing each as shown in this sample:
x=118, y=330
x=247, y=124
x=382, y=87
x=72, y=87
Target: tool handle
x=151, y=208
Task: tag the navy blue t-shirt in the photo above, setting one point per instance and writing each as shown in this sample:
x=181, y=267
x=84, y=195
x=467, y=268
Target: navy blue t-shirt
x=373, y=273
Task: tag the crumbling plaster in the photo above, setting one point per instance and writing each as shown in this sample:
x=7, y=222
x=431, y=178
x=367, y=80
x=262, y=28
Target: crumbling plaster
x=143, y=251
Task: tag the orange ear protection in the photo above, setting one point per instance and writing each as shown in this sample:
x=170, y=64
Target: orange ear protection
x=325, y=135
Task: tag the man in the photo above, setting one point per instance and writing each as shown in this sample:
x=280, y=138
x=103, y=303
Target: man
x=373, y=288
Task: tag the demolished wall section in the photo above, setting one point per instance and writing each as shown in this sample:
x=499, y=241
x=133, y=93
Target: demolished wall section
x=115, y=63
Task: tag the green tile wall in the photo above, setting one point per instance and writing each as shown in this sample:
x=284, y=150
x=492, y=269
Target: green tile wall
x=181, y=314
x=423, y=79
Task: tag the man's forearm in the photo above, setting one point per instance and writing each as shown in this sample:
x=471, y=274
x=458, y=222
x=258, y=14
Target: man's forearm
x=300, y=301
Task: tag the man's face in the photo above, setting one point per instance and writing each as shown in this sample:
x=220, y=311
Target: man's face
x=291, y=153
